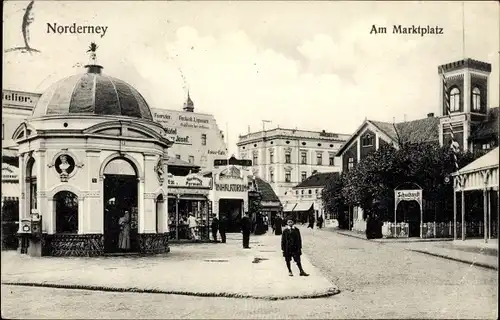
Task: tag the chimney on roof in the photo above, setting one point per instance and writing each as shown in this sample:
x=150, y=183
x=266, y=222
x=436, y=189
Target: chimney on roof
x=430, y=115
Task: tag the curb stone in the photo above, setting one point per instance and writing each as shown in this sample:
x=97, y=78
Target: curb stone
x=330, y=292
x=479, y=264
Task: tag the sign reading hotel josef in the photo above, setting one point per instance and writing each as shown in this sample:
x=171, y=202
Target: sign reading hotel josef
x=231, y=187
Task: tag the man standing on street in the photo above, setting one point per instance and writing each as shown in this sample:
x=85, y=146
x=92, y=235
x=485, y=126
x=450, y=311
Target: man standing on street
x=215, y=228
x=291, y=245
x=246, y=228
x=193, y=225
x=222, y=228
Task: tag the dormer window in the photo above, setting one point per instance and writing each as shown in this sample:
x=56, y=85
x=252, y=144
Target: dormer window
x=367, y=140
x=454, y=100
x=476, y=99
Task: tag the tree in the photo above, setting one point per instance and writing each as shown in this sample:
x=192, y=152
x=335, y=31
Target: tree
x=333, y=199
x=371, y=183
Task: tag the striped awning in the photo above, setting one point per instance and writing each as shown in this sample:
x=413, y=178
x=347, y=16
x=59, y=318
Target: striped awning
x=303, y=206
x=10, y=191
x=289, y=207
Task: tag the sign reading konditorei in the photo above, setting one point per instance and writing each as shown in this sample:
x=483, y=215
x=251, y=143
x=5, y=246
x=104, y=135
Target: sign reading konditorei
x=231, y=187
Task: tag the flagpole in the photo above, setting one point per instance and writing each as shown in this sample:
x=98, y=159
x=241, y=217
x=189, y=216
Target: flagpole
x=463, y=29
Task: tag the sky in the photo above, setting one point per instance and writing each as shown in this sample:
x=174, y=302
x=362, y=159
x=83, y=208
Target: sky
x=306, y=65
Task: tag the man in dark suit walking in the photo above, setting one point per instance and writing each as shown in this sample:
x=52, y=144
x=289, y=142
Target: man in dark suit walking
x=291, y=245
x=222, y=228
x=246, y=228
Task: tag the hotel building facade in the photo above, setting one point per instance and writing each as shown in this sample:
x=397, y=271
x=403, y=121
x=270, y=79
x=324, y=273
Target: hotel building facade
x=286, y=157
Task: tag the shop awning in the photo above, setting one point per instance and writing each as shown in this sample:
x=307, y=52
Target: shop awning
x=289, y=207
x=10, y=191
x=303, y=206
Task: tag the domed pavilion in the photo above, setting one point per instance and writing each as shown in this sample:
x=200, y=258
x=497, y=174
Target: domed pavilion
x=92, y=165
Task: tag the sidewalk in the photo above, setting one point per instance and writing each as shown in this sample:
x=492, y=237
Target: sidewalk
x=472, y=252
x=223, y=270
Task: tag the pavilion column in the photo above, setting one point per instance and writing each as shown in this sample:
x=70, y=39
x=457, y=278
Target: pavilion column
x=463, y=214
x=454, y=214
x=489, y=212
x=485, y=208
x=140, y=207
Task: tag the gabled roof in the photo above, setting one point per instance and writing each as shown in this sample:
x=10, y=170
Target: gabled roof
x=266, y=191
x=487, y=128
x=420, y=130
x=317, y=180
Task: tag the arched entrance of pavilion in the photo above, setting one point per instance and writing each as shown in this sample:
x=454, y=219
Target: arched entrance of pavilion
x=120, y=197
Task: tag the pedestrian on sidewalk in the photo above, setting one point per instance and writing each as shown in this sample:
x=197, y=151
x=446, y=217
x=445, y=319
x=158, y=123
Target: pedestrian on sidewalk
x=246, y=228
x=215, y=227
x=278, y=222
x=311, y=221
x=192, y=224
x=320, y=222
x=291, y=245
x=223, y=228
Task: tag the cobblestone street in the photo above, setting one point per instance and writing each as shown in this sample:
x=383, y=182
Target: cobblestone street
x=376, y=281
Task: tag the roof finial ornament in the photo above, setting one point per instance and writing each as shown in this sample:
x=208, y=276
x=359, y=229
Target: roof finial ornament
x=92, y=49
x=93, y=67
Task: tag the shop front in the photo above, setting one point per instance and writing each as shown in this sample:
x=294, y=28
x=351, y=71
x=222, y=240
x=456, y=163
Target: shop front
x=189, y=195
x=10, y=206
x=229, y=195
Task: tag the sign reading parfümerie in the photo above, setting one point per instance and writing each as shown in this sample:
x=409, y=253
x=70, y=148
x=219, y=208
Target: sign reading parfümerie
x=231, y=187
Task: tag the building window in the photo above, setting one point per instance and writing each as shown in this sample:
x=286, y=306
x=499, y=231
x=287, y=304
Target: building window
x=331, y=160
x=316, y=191
x=288, y=176
x=303, y=175
x=271, y=176
x=191, y=159
x=3, y=131
x=271, y=156
x=486, y=146
x=476, y=99
x=455, y=100
x=178, y=156
x=296, y=192
x=203, y=139
x=288, y=157
x=302, y=191
x=255, y=158
x=319, y=159
x=351, y=163
x=303, y=157
x=367, y=140
x=310, y=191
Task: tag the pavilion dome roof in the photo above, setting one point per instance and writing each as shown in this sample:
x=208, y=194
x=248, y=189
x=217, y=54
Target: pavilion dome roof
x=92, y=93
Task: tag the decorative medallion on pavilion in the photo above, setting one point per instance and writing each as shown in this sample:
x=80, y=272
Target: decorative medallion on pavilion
x=64, y=165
